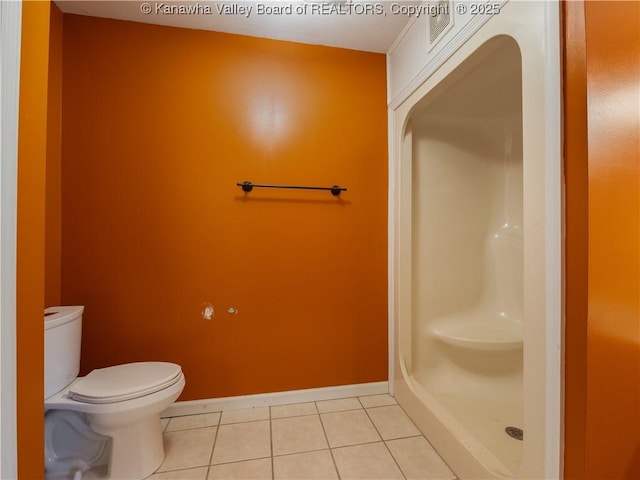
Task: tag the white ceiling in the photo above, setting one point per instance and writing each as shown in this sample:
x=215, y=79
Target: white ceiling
x=337, y=23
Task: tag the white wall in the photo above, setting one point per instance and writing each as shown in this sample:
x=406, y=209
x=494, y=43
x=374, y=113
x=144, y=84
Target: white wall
x=10, y=22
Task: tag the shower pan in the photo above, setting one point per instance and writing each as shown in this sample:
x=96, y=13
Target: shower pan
x=477, y=289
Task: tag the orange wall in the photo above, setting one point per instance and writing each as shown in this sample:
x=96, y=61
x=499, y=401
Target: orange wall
x=602, y=389
x=53, y=214
x=159, y=124
x=613, y=379
x=576, y=244
x=32, y=150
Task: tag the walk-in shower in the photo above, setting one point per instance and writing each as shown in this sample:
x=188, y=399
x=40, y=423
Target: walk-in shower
x=467, y=244
x=477, y=247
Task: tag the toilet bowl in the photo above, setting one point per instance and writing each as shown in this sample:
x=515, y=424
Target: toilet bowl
x=120, y=407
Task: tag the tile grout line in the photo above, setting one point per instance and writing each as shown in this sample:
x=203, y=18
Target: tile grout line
x=326, y=437
x=384, y=442
x=273, y=469
x=213, y=447
x=311, y=450
x=455, y=476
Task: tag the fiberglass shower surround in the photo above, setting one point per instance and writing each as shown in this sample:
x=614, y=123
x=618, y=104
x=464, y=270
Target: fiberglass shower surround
x=477, y=240
x=467, y=246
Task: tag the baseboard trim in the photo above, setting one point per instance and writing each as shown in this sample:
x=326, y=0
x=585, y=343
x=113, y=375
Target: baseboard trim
x=210, y=405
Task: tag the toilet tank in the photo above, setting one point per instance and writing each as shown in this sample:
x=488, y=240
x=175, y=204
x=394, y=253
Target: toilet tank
x=62, y=337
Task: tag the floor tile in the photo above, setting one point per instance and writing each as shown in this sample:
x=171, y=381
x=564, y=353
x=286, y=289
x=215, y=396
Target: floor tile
x=392, y=422
x=241, y=441
x=193, y=421
x=244, y=415
x=187, y=448
x=294, y=410
x=247, y=470
x=290, y=442
x=348, y=428
x=370, y=461
x=377, y=400
x=297, y=434
x=316, y=465
x=338, y=405
x=418, y=460
x=199, y=473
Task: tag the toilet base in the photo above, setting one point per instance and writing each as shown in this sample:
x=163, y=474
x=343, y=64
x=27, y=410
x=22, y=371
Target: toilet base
x=137, y=449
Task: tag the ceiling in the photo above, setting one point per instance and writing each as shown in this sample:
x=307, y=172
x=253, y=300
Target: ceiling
x=355, y=24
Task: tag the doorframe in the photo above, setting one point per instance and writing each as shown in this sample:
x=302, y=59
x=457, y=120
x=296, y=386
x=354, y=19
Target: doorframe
x=10, y=41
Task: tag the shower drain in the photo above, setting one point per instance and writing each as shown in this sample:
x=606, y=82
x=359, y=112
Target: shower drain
x=514, y=432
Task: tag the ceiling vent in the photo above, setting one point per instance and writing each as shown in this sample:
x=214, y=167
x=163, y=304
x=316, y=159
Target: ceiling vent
x=439, y=19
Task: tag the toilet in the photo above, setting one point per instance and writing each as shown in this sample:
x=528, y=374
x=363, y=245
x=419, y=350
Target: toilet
x=108, y=421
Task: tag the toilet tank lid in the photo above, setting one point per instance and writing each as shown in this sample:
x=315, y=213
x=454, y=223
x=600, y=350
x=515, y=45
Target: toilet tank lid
x=56, y=316
x=125, y=382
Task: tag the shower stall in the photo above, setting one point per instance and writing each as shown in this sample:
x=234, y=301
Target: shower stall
x=467, y=246
x=477, y=287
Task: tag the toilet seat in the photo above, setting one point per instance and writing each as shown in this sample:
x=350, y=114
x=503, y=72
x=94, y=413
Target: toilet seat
x=124, y=382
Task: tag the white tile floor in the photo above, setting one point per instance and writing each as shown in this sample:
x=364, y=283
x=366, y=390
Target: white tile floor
x=353, y=438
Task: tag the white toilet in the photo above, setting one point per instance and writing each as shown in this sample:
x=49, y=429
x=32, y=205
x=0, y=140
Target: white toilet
x=108, y=421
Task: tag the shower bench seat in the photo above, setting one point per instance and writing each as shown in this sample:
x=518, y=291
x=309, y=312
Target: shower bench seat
x=477, y=332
